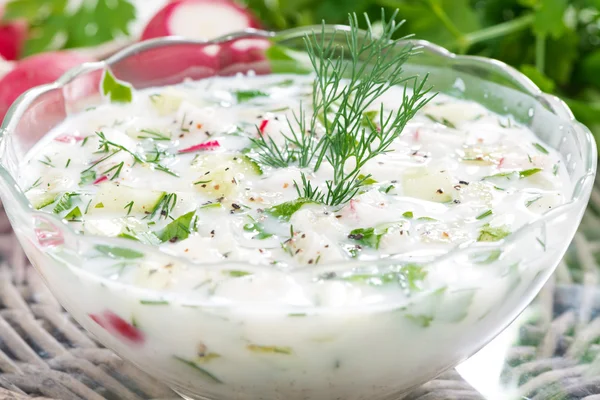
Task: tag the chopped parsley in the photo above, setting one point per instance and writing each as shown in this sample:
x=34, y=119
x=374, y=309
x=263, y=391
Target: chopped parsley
x=489, y=233
x=117, y=91
x=178, y=229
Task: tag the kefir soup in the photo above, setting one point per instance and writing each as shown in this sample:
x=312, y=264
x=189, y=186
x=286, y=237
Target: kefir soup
x=294, y=217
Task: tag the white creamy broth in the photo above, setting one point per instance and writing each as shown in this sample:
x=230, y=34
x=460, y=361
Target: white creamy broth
x=175, y=169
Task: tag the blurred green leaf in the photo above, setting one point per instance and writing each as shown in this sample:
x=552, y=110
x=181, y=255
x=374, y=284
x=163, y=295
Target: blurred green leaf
x=542, y=81
x=549, y=18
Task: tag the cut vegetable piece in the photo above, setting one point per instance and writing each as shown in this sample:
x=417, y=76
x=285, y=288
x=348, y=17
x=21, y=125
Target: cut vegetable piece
x=37, y=70
x=220, y=175
x=427, y=184
x=117, y=199
x=284, y=211
x=199, y=19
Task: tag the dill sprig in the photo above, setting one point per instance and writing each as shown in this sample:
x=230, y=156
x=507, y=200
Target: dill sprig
x=346, y=86
x=155, y=156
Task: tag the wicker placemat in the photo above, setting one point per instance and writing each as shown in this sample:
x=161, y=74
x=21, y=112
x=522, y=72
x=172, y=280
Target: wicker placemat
x=44, y=354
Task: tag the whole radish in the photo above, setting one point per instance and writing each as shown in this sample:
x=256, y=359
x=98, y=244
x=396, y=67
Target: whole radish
x=33, y=71
x=199, y=19
x=12, y=38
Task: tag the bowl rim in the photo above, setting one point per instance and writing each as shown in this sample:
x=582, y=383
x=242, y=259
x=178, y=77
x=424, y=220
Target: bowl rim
x=581, y=188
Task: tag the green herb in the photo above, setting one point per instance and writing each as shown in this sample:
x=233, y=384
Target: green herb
x=408, y=214
x=340, y=109
x=88, y=169
x=99, y=205
x=369, y=237
x=520, y=174
x=386, y=190
x=285, y=83
x=117, y=171
x=555, y=169
x=128, y=207
x=64, y=202
x=442, y=121
x=117, y=91
x=236, y=273
x=530, y=202
x=84, y=141
x=154, y=302
x=74, y=214
x=178, y=229
x=421, y=319
x=485, y=214
x=199, y=369
x=47, y=161
x=35, y=184
x=530, y=159
x=408, y=276
x=118, y=252
x=426, y=219
x=258, y=230
x=142, y=236
x=269, y=349
x=486, y=257
x=247, y=95
x=507, y=124
x=203, y=182
x=541, y=148
x=542, y=243
x=284, y=211
x=68, y=163
x=211, y=205
x=367, y=180
x=489, y=233
x=154, y=135
x=164, y=205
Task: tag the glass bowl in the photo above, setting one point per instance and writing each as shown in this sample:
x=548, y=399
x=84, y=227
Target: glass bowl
x=251, y=350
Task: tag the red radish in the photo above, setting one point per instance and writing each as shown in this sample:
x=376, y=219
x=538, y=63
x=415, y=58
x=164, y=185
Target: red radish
x=242, y=55
x=68, y=139
x=12, y=38
x=118, y=326
x=263, y=125
x=211, y=145
x=199, y=19
x=33, y=71
x=101, y=179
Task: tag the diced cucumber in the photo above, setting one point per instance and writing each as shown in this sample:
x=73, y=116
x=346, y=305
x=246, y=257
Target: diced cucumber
x=219, y=175
x=168, y=102
x=41, y=200
x=428, y=184
x=123, y=199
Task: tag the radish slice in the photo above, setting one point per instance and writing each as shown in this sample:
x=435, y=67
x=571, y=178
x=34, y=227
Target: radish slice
x=211, y=145
x=242, y=55
x=33, y=71
x=199, y=19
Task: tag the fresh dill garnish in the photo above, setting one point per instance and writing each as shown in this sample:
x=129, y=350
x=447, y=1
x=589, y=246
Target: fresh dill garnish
x=485, y=214
x=555, y=169
x=182, y=127
x=117, y=170
x=47, y=161
x=152, y=134
x=202, y=182
x=84, y=141
x=35, y=184
x=541, y=148
x=530, y=202
x=442, y=121
x=98, y=162
x=344, y=89
x=164, y=206
x=68, y=163
x=157, y=154
x=129, y=206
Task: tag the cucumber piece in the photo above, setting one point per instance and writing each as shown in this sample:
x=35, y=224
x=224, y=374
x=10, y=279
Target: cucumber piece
x=429, y=184
x=168, y=102
x=117, y=198
x=220, y=175
x=42, y=200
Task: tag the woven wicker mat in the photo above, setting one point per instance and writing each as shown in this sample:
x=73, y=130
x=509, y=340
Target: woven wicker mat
x=44, y=354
